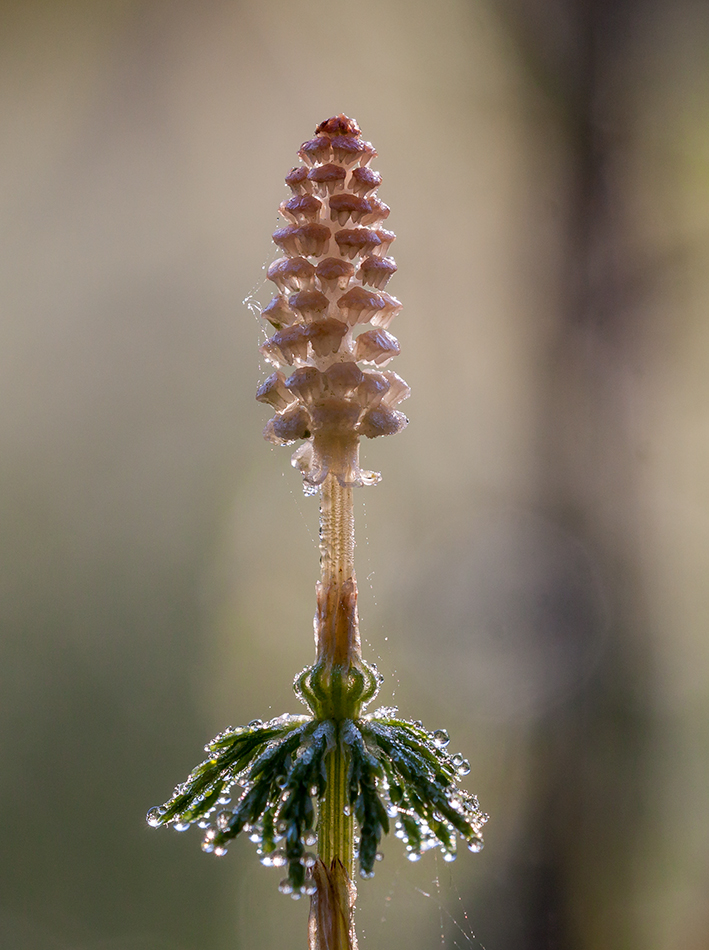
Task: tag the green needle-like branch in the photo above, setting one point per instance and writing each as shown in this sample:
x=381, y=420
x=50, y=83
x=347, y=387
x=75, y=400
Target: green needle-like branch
x=376, y=769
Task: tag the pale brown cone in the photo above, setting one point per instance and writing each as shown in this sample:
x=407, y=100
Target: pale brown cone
x=330, y=283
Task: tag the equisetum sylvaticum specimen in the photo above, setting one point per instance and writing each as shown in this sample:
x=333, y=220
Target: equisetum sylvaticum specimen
x=316, y=792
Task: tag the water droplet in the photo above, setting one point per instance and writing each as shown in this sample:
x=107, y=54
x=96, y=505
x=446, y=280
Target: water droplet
x=220, y=851
x=457, y=760
x=295, y=895
x=203, y=823
x=154, y=817
x=285, y=887
x=223, y=819
x=440, y=738
x=211, y=834
x=309, y=859
x=379, y=856
x=417, y=723
x=310, y=888
x=310, y=839
x=181, y=825
x=475, y=846
x=223, y=799
x=464, y=767
x=207, y=846
x=255, y=724
x=414, y=855
x=347, y=811
x=366, y=874
x=255, y=837
x=278, y=859
x=313, y=791
x=391, y=810
x=449, y=856
x=281, y=781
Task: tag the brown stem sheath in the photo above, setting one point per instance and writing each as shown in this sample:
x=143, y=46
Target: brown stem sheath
x=337, y=639
x=331, y=923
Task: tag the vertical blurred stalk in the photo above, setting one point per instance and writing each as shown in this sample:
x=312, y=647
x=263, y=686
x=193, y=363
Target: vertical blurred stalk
x=575, y=867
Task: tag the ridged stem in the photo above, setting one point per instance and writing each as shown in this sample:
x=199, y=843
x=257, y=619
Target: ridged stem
x=337, y=538
x=336, y=646
x=338, y=651
x=336, y=625
x=335, y=828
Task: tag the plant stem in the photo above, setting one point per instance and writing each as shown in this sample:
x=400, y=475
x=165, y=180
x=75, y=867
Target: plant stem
x=337, y=638
x=337, y=538
x=335, y=828
x=338, y=650
x=338, y=645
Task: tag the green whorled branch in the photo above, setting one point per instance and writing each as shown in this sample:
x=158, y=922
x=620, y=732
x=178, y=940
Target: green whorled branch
x=389, y=771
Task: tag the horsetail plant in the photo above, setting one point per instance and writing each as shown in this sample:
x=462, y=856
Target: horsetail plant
x=316, y=792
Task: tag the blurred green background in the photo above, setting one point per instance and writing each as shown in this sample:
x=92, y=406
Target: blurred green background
x=534, y=567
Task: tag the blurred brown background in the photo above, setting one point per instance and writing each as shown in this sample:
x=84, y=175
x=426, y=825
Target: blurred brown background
x=534, y=565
